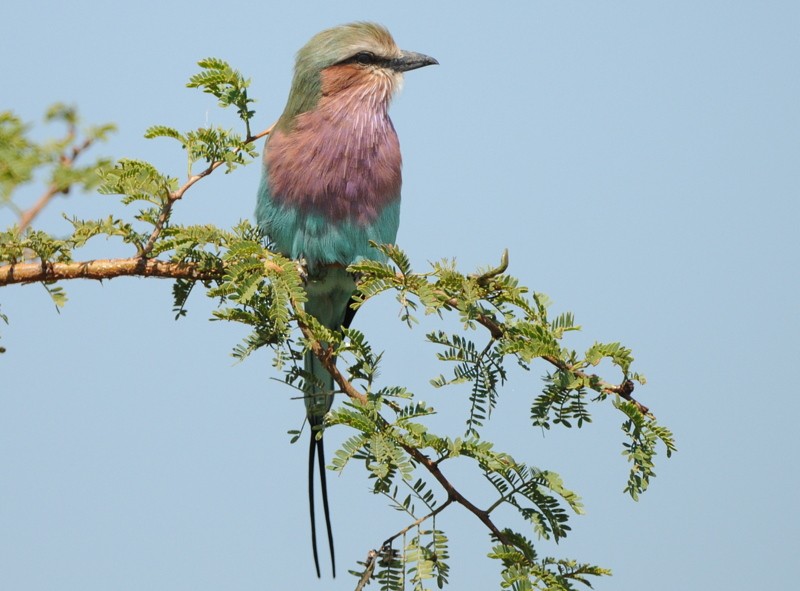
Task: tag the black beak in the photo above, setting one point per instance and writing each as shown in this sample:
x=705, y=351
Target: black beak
x=411, y=60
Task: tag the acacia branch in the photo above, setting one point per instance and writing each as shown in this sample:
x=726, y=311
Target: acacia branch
x=47, y=272
x=143, y=267
x=326, y=356
x=497, y=331
x=452, y=492
x=328, y=360
x=27, y=216
x=386, y=547
x=139, y=266
x=422, y=519
x=100, y=269
x=369, y=565
x=172, y=197
x=453, y=495
x=625, y=389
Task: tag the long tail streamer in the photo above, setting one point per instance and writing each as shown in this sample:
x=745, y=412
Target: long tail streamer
x=318, y=446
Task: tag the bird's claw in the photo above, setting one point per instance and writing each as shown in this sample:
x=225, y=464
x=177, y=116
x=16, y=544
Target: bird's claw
x=302, y=269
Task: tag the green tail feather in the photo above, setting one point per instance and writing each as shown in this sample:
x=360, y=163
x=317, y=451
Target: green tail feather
x=319, y=390
x=329, y=291
x=318, y=401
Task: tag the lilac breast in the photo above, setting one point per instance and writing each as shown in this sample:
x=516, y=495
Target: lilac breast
x=341, y=161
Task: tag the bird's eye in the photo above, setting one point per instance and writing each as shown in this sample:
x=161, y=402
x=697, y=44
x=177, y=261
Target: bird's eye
x=364, y=57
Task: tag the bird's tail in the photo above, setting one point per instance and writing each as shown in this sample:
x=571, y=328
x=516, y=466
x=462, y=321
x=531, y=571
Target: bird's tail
x=329, y=291
x=318, y=399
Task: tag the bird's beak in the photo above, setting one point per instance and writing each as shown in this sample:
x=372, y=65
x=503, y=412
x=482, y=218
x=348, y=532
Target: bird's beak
x=411, y=60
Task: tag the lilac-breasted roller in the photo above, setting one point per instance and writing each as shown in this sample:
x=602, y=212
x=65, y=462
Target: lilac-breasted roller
x=331, y=184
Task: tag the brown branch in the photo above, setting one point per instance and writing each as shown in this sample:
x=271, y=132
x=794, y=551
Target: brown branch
x=452, y=492
x=104, y=269
x=166, y=209
x=624, y=389
x=496, y=329
x=386, y=548
x=27, y=216
x=433, y=513
x=109, y=269
x=328, y=359
x=143, y=267
x=366, y=576
x=258, y=136
x=178, y=193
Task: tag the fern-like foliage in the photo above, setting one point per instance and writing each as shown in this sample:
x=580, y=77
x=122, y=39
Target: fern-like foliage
x=644, y=435
x=136, y=180
x=539, y=496
x=219, y=79
x=259, y=289
x=21, y=158
x=523, y=570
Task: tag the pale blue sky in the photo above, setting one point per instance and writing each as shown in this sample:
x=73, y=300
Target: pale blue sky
x=638, y=159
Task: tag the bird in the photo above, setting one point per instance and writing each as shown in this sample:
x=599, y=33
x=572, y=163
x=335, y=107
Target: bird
x=330, y=186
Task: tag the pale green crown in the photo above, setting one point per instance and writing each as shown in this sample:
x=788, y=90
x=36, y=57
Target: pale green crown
x=325, y=49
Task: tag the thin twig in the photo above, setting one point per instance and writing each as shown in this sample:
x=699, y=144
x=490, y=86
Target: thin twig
x=452, y=492
x=625, y=389
x=328, y=360
x=369, y=564
x=178, y=193
x=258, y=136
x=27, y=216
x=433, y=513
x=325, y=355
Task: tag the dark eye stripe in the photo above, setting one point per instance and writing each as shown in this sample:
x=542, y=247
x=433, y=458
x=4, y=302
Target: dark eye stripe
x=365, y=58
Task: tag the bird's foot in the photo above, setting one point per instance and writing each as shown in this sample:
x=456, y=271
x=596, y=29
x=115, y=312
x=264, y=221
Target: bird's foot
x=302, y=269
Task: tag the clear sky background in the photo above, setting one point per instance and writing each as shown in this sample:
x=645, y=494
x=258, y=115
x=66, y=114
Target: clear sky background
x=638, y=159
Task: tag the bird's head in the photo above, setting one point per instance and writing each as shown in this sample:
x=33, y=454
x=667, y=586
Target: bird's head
x=349, y=58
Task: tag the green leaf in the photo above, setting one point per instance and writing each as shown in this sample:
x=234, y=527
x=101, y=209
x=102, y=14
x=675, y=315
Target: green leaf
x=219, y=79
x=163, y=131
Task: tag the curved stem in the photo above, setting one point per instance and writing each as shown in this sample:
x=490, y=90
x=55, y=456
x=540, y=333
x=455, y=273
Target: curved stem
x=66, y=161
x=172, y=197
x=422, y=519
